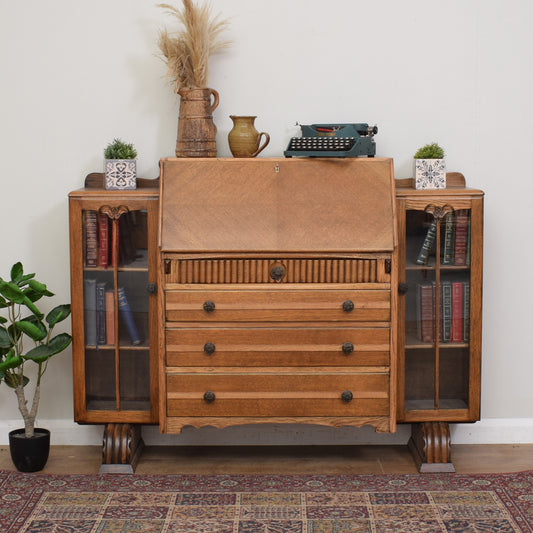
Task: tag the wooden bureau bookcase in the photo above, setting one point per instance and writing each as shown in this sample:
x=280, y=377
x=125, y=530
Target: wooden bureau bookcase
x=277, y=287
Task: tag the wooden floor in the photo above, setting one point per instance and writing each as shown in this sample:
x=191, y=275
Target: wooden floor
x=286, y=459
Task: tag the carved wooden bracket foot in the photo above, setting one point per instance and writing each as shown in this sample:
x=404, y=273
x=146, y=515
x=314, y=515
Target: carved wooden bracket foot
x=430, y=446
x=122, y=447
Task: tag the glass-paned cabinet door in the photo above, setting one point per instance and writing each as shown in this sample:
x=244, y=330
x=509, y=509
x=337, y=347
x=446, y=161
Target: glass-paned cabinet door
x=116, y=309
x=437, y=309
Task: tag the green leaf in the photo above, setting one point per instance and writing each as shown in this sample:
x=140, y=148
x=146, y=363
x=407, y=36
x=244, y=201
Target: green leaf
x=24, y=279
x=5, y=339
x=37, y=285
x=11, y=361
x=41, y=353
x=58, y=314
x=16, y=272
x=31, y=329
x=33, y=308
x=3, y=302
x=3, y=319
x=32, y=295
x=11, y=292
x=36, y=322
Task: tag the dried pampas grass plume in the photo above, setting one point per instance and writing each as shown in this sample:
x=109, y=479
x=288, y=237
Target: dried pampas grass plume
x=186, y=52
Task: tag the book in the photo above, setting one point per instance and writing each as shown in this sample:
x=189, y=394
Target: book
x=110, y=317
x=427, y=245
x=91, y=238
x=457, y=312
x=103, y=240
x=89, y=310
x=461, y=237
x=449, y=234
x=100, y=313
x=127, y=316
x=446, y=290
x=466, y=311
x=426, y=312
x=468, y=243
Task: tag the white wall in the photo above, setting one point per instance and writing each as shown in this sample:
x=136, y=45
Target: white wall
x=74, y=75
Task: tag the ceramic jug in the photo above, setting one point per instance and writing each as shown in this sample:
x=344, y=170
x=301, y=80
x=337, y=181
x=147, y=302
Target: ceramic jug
x=244, y=139
x=196, y=129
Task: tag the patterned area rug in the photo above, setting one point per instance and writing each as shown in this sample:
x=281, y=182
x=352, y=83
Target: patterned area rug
x=431, y=503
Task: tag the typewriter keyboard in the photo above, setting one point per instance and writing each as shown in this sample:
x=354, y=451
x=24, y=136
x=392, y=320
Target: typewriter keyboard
x=330, y=144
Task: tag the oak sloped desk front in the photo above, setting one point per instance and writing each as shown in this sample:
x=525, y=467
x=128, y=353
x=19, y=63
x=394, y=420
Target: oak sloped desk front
x=277, y=292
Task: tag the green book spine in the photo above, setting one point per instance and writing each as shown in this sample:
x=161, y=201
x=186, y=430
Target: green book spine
x=449, y=230
x=446, y=311
x=428, y=243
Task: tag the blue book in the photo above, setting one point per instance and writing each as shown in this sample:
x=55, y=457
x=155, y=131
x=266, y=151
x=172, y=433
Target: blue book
x=100, y=313
x=127, y=315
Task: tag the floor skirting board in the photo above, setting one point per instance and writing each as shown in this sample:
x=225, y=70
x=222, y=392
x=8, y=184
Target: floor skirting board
x=486, y=431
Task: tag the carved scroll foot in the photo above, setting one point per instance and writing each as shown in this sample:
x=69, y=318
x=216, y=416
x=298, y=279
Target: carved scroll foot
x=122, y=447
x=431, y=447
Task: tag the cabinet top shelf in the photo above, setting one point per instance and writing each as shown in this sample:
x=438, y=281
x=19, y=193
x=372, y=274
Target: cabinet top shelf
x=455, y=186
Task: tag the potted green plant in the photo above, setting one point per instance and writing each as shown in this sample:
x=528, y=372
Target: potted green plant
x=430, y=169
x=25, y=322
x=120, y=166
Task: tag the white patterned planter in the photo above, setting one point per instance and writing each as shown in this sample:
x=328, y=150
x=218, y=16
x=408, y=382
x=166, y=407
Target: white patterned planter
x=120, y=174
x=430, y=174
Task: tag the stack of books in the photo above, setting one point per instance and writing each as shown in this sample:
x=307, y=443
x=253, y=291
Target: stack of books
x=454, y=312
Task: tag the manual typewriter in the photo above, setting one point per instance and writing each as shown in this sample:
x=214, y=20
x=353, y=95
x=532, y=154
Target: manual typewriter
x=334, y=140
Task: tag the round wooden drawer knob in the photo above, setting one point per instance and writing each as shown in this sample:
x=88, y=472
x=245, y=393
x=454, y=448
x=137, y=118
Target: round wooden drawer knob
x=347, y=348
x=347, y=396
x=209, y=348
x=209, y=396
x=348, y=306
x=209, y=306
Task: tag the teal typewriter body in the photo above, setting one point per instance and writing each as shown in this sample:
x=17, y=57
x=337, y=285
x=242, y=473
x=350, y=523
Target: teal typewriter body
x=333, y=140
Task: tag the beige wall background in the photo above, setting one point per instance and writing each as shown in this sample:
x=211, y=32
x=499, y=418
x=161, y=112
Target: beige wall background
x=75, y=74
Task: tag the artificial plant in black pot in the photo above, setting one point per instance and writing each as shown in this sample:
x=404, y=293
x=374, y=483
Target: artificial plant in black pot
x=21, y=324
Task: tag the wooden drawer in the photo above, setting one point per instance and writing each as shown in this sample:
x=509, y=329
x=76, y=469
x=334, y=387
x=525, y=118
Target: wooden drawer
x=367, y=269
x=277, y=305
x=287, y=395
x=277, y=347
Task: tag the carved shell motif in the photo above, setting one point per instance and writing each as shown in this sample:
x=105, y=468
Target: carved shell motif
x=114, y=213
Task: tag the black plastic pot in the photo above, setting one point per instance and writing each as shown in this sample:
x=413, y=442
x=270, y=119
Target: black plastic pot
x=29, y=454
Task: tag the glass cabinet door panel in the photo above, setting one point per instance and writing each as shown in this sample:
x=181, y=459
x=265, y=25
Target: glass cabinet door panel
x=134, y=380
x=437, y=314
x=117, y=354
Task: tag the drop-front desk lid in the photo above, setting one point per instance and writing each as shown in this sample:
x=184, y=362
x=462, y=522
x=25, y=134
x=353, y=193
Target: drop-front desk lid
x=276, y=205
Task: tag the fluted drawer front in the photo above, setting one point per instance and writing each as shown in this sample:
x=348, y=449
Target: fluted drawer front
x=257, y=394
x=356, y=270
x=277, y=305
x=277, y=346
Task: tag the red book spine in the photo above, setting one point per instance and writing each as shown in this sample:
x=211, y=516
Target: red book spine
x=103, y=240
x=110, y=317
x=461, y=237
x=457, y=312
x=91, y=239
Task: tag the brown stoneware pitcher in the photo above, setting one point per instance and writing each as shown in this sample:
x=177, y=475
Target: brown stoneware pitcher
x=196, y=129
x=244, y=140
